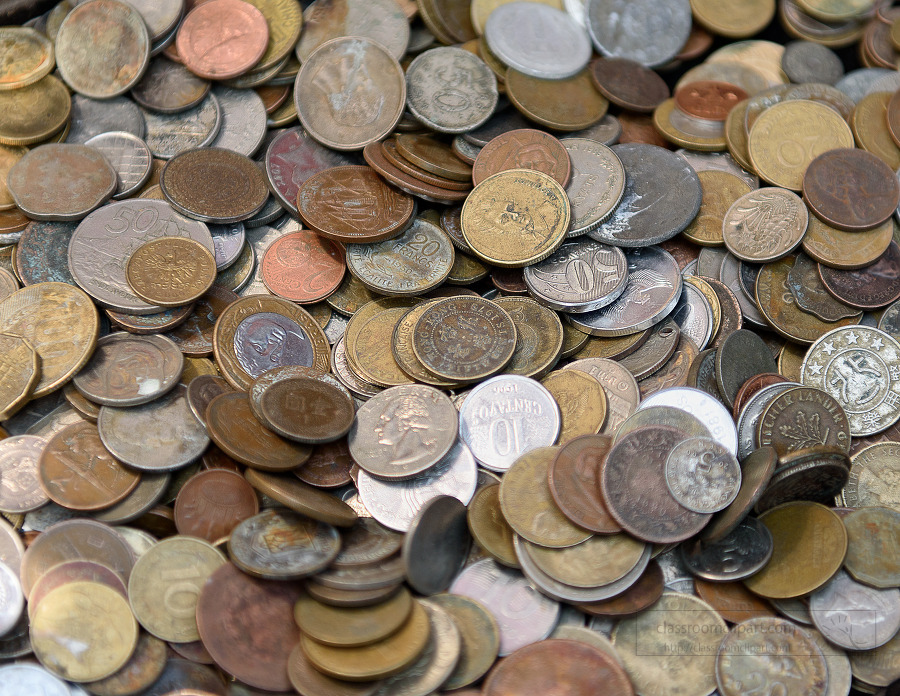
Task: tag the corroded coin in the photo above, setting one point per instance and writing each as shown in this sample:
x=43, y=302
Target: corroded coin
x=19, y=124
x=30, y=57
x=765, y=225
x=436, y=545
x=21, y=374
x=170, y=271
x=171, y=134
x=871, y=558
x=223, y=40
x=811, y=294
x=169, y=87
x=570, y=104
x=802, y=417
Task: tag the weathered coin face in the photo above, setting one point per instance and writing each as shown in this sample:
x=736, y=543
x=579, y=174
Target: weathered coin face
x=720, y=562
x=523, y=148
x=171, y=134
x=702, y=475
x=222, y=41
x=756, y=237
x=379, y=21
x=168, y=87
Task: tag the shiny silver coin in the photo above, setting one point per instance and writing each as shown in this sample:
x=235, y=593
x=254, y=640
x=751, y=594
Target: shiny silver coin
x=645, y=31
x=129, y=157
x=18, y=680
x=702, y=475
x=228, y=241
x=12, y=601
x=698, y=403
x=741, y=553
x=597, y=184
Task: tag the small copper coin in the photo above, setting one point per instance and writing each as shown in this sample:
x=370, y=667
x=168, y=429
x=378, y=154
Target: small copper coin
x=307, y=410
x=202, y=390
x=393, y=155
x=222, y=39
x=78, y=472
x=170, y=271
x=708, y=99
x=851, y=189
x=523, y=149
x=868, y=288
x=641, y=595
x=303, y=267
x=214, y=185
x=354, y=204
x=375, y=157
x=247, y=625
x=629, y=84
x=434, y=157
x=212, y=503
x=732, y=600
x=328, y=467
x=574, y=479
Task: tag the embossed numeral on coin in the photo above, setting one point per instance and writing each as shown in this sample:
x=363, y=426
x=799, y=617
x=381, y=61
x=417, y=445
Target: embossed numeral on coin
x=187, y=607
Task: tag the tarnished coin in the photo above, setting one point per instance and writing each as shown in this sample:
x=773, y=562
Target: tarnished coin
x=129, y=157
x=352, y=626
x=436, y=545
x=222, y=41
x=211, y=503
x=489, y=528
x=621, y=29
x=380, y=21
x=34, y=113
x=810, y=292
x=854, y=616
x=22, y=366
x=765, y=225
x=302, y=498
x=741, y=356
x=168, y=87
x=871, y=558
x=170, y=271
x=846, y=250
x=20, y=489
x=739, y=554
x=702, y=475
x=802, y=417
x=243, y=120
x=30, y=57
x=573, y=478
x=171, y=134
x=523, y=148
x=867, y=289
x=582, y=401
x=307, y=410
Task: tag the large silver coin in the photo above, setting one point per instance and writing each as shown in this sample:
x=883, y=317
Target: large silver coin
x=171, y=134
x=507, y=416
x=698, y=403
x=105, y=239
x=597, y=184
x=243, y=120
x=129, y=157
x=855, y=616
x=647, y=31
x=17, y=680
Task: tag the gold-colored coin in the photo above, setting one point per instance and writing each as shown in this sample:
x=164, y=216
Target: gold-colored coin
x=869, y=123
x=60, y=321
x=402, y=348
x=378, y=660
x=873, y=471
x=790, y=360
x=539, y=337
x=466, y=270
x=238, y=274
x=764, y=57
x=876, y=668
x=27, y=57
x=194, y=367
x=258, y=333
x=285, y=20
x=9, y=155
x=34, y=113
x=352, y=626
x=711, y=297
x=736, y=19
x=614, y=347
x=810, y=543
x=516, y=218
x=570, y=104
x=362, y=316
x=788, y=136
x=582, y=403
x=284, y=115
x=573, y=340
x=479, y=636
x=83, y=631
x=370, y=351
x=170, y=271
x=846, y=250
x=489, y=527
x=319, y=311
x=528, y=506
x=662, y=121
x=20, y=369
x=350, y=296
x=736, y=135
x=597, y=561
x=720, y=190
x=481, y=10
x=836, y=10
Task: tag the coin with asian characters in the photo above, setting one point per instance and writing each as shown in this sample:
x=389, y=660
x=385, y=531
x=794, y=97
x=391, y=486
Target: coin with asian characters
x=307, y=410
x=765, y=225
x=303, y=266
x=516, y=218
x=170, y=271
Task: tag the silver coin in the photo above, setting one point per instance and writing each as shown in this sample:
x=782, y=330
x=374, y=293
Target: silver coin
x=228, y=242
x=396, y=503
x=652, y=290
x=529, y=37
x=702, y=475
x=129, y=157
x=434, y=93
x=888, y=83
x=465, y=150
x=839, y=674
x=597, y=184
x=160, y=16
x=379, y=20
x=168, y=87
x=41, y=520
x=55, y=421
x=718, y=162
x=105, y=239
x=796, y=610
x=745, y=550
x=581, y=276
x=12, y=602
x=701, y=405
x=569, y=617
x=694, y=315
x=259, y=239
x=366, y=542
x=270, y=213
x=855, y=616
x=20, y=490
x=730, y=274
x=171, y=134
x=524, y=615
x=436, y=545
x=335, y=328
x=607, y=130
x=709, y=261
x=160, y=436
x=646, y=31
x=359, y=389
x=243, y=120
x=662, y=196
x=22, y=679
x=806, y=61
x=11, y=546
x=504, y=417
x=91, y=117
x=856, y=83
x=158, y=46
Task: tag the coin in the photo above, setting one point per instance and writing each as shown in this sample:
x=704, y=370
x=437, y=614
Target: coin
x=702, y=475
x=620, y=30
x=303, y=267
x=582, y=403
x=381, y=22
x=870, y=558
x=846, y=250
x=206, y=53
x=171, y=134
x=350, y=627
x=523, y=149
x=755, y=237
x=871, y=289
x=32, y=57
x=19, y=124
x=436, y=545
x=168, y=87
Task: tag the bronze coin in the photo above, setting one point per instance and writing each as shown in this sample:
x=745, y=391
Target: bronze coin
x=328, y=467
x=303, y=267
x=641, y=595
x=434, y=157
x=195, y=336
x=868, y=288
x=184, y=674
x=893, y=117
x=375, y=157
x=708, y=99
x=140, y=672
x=851, y=189
x=237, y=432
x=392, y=153
x=73, y=571
x=307, y=410
x=301, y=498
x=247, y=624
x=629, y=84
x=523, y=149
x=751, y=387
x=150, y=323
x=574, y=479
x=214, y=185
x=353, y=204
x=732, y=600
x=212, y=503
x=202, y=390
x=741, y=356
x=78, y=472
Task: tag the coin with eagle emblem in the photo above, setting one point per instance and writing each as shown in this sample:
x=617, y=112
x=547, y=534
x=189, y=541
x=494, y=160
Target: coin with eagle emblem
x=170, y=271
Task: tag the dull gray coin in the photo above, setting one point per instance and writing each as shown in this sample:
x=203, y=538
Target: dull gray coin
x=243, y=120
x=91, y=117
x=12, y=601
x=129, y=157
x=745, y=550
x=170, y=134
x=702, y=475
x=741, y=356
x=855, y=616
x=436, y=545
x=806, y=61
x=646, y=31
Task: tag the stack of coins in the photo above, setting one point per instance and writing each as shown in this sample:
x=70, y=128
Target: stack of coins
x=387, y=347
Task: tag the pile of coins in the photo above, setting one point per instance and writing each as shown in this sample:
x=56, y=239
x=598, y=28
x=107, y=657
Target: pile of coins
x=380, y=347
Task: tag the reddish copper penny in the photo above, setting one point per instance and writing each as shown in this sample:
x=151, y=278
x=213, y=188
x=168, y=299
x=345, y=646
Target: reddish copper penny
x=524, y=148
x=629, y=84
x=328, y=467
x=247, y=625
x=732, y=600
x=709, y=99
x=74, y=571
x=541, y=667
x=851, y=189
x=753, y=385
x=222, y=39
x=639, y=128
x=574, y=483
x=353, y=204
x=212, y=503
x=867, y=288
x=303, y=266
x=374, y=155
x=638, y=597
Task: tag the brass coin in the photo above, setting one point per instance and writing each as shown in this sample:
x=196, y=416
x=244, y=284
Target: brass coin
x=29, y=56
x=489, y=527
x=302, y=498
x=755, y=235
x=31, y=114
x=692, y=134
x=479, y=635
x=736, y=138
x=869, y=123
x=83, y=631
x=308, y=681
x=735, y=19
x=352, y=627
x=871, y=555
x=535, y=229
x=285, y=20
x=846, y=250
x=810, y=542
x=597, y=561
x=434, y=157
x=361, y=317
x=871, y=471
x=170, y=271
x=569, y=104
x=582, y=403
x=720, y=191
x=539, y=337
x=370, y=352
x=21, y=372
x=614, y=347
x=378, y=660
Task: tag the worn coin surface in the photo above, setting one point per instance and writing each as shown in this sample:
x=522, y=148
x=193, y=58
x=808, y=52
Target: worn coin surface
x=380, y=21
x=223, y=40
x=639, y=31
x=854, y=616
x=702, y=475
x=523, y=148
x=765, y=225
x=168, y=87
x=170, y=134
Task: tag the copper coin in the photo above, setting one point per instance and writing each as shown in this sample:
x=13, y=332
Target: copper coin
x=523, y=149
x=79, y=473
x=193, y=651
x=214, y=458
x=851, y=189
x=247, y=624
x=301, y=498
x=540, y=668
x=375, y=157
x=392, y=153
x=629, y=84
x=202, y=390
x=633, y=484
x=732, y=600
x=433, y=156
x=868, y=288
x=353, y=204
x=184, y=674
x=307, y=410
x=574, y=479
x=708, y=99
x=214, y=502
x=303, y=266
x=74, y=571
x=641, y=595
x=751, y=387
x=212, y=184
x=237, y=432
x=328, y=467
x=222, y=39
x=195, y=336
